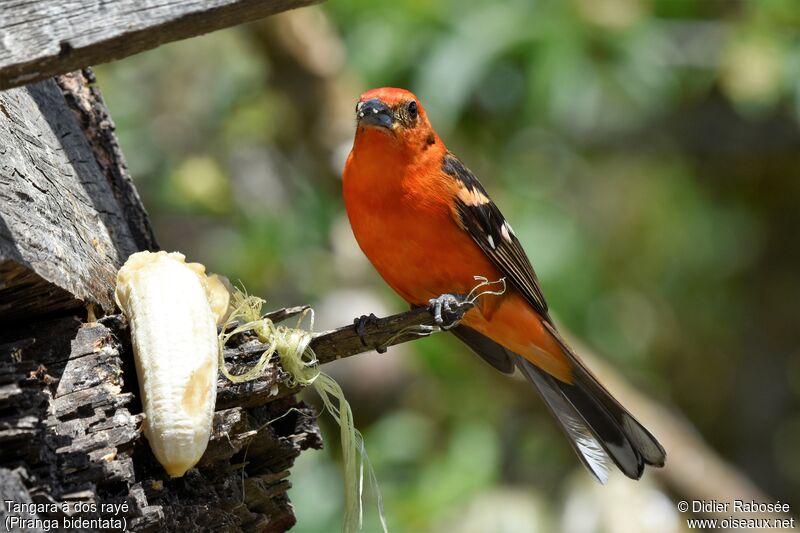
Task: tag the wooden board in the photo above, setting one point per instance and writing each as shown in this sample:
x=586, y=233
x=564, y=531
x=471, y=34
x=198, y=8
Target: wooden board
x=42, y=38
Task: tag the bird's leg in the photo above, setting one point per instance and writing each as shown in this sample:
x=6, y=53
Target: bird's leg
x=361, y=325
x=449, y=309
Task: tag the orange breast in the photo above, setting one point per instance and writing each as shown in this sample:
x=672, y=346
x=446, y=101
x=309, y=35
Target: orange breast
x=414, y=242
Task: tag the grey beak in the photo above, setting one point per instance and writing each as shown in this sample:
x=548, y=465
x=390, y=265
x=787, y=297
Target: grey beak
x=375, y=113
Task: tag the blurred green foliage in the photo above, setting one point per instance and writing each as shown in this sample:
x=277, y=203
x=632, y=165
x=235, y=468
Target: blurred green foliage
x=646, y=152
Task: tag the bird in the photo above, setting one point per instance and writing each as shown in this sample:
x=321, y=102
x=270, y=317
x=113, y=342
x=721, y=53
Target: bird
x=430, y=230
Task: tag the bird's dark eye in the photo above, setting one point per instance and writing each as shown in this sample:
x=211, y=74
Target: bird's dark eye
x=412, y=110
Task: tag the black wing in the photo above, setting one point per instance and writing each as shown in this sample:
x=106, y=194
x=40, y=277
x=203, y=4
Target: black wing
x=479, y=216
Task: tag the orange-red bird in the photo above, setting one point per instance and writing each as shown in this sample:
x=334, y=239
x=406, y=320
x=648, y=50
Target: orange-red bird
x=429, y=228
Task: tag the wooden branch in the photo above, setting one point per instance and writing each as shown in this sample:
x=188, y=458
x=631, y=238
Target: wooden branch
x=41, y=38
x=379, y=333
x=328, y=346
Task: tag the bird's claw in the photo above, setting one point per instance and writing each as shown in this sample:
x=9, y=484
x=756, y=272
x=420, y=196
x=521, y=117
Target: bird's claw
x=361, y=326
x=447, y=310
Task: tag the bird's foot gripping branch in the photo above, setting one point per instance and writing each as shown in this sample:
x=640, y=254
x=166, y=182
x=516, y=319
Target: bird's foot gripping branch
x=447, y=310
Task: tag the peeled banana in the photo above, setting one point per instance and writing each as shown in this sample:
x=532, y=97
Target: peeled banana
x=168, y=303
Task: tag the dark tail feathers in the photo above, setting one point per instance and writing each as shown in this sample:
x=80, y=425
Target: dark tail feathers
x=596, y=425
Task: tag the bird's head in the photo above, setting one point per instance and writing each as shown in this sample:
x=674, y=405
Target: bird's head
x=393, y=119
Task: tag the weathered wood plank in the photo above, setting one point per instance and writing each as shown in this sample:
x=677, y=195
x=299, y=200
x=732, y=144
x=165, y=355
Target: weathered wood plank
x=69, y=216
x=41, y=38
